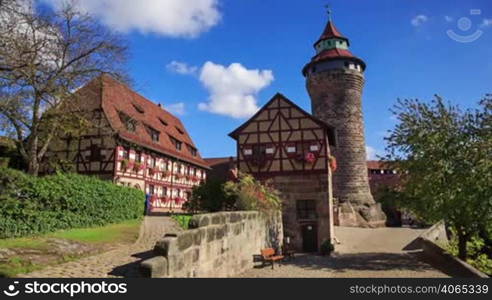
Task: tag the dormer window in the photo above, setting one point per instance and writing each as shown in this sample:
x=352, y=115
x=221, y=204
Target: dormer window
x=192, y=150
x=130, y=124
x=177, y=143
x=179, y=130
x=163, y=122
x=138, y=108
x=154, y=134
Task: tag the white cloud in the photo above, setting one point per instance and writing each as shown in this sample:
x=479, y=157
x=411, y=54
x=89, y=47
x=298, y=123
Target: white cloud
x=174, y=18
x=486, y=23
x=448, y=19
x=372, y=153
x=419, y=20
x=181, y=68
x=233, y=89
x=176, y=108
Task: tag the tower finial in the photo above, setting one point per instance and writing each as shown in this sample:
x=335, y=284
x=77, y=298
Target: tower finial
x=328, y=11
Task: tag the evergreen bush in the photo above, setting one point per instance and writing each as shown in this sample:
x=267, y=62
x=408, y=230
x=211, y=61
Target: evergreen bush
x=32, y=205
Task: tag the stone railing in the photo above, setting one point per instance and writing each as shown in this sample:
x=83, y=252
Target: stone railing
x=433, y=242
x=217, y=245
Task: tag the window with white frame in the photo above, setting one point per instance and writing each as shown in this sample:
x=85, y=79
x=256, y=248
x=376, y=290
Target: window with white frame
x=291, y=149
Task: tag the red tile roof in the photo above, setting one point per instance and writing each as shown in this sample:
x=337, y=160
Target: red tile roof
x=212, y=161
x=117, y=97
x=377, y=164
x=332, y=53
x=371, y=164
x=331, y=32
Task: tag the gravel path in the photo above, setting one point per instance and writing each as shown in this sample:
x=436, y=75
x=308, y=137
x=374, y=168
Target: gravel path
x=377, y=253
x=121, y=262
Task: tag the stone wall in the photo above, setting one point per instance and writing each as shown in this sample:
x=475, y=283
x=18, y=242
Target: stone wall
x=218, y=245
x=433, y=242
x=295, y=188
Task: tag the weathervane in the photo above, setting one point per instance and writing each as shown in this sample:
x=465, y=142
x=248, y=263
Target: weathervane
x=328, y=11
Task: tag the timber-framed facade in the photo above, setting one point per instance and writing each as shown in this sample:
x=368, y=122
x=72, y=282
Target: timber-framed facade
x=131, y=141
x=291, y=148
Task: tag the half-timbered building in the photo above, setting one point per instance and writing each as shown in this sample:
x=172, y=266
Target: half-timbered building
x=290, y=147
x=131, y=141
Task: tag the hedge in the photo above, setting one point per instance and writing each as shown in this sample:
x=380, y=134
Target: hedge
x=32, y=205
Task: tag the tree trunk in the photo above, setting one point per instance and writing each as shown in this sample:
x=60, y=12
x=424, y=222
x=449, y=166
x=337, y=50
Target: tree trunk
x=32, y=156
x=462, y=239
x=33, y=165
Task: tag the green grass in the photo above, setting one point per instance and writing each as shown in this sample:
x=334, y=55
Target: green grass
x=126, y=232
x=183, y=220
x=122, y=232
x=17, y=265
x=24, y=243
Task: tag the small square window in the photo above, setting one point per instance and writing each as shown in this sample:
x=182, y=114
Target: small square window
x=248, y=151
x=306, y=209
x=291, y=149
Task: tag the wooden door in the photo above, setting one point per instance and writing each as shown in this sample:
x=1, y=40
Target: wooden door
x=309, y=238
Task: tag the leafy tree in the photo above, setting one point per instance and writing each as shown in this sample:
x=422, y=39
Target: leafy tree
x=44, y=57
x=209, y=196
x=444, y=154
x=251, y=194
x=245, y=194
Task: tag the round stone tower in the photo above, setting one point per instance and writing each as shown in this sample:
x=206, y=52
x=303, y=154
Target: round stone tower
x=334, y=80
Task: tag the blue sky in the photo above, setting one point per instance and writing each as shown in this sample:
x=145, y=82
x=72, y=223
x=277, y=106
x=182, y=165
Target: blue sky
x=404, y=43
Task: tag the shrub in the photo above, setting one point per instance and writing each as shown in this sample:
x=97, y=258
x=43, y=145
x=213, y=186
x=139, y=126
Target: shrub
x=478, y=251
x=210, y=197
x=327, y=247
x=31, y=205
x=250, y=194
x=245, y=194
x=183, y=220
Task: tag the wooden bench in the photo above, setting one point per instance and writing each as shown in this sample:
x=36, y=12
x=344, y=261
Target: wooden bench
x=269, y=256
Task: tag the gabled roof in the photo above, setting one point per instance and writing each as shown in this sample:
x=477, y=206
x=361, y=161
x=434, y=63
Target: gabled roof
x=235, y=133
x=117, y=98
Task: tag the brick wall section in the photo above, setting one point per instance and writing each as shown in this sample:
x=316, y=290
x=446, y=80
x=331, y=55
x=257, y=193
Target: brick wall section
x=219, y=245
x=336, y=99
x=305, y=187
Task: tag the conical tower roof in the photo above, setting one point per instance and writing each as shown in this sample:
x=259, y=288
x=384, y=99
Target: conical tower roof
x=331, y=32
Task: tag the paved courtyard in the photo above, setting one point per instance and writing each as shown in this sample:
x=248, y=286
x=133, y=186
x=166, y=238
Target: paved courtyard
x=362, y=252
x=121, y=262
